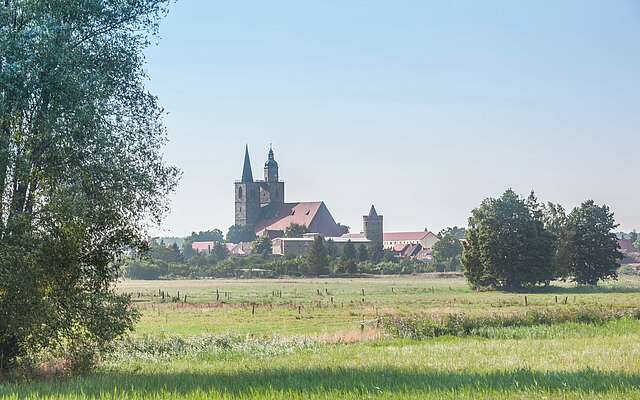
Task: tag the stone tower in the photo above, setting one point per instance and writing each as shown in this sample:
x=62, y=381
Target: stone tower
x=272, y=189
x=373, y=226
x=247, y=193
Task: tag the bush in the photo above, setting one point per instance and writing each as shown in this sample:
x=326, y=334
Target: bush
x=460, y=324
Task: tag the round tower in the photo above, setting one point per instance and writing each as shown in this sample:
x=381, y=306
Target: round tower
x=373, y=226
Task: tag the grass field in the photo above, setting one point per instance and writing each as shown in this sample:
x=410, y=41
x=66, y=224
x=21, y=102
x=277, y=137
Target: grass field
x=317, y=338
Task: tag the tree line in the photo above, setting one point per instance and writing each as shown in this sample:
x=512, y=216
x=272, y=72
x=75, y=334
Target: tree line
x=322, y=258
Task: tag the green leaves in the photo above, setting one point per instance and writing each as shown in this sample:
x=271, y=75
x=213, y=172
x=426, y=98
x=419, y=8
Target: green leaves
x=593, y=246
x=512, y=242
x=81, y=168
x=317, y=258
x=507, y=245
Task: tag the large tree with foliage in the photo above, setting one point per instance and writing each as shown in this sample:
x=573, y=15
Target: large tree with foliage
x=507, y=245
x=349, y=257
x=377, y=252
x=593, y=247
x=81, y=172
x=238, y=234
x=317, y=259
x=363, y=253
x=332, y=248
x=447, y=251
x=556, y=223
x=456, y=232
x=262, y=246
x=214, y=235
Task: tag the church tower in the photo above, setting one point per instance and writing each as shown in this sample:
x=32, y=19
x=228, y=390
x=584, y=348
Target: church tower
x=373, y=226
x=247, y=193
x=272, y=190
x=271, y=168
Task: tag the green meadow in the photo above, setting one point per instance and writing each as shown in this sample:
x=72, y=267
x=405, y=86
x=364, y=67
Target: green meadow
x=321, y=339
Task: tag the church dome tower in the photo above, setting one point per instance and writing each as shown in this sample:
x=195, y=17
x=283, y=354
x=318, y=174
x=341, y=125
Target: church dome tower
x=271, y=168
x=272, y=189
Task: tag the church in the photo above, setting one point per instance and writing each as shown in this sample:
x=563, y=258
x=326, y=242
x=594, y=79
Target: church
x=261, y=204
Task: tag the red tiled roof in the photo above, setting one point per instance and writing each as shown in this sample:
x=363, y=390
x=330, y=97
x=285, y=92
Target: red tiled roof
x=399, y=247
x=202, y=246
x=393, y=236
x=314, y=215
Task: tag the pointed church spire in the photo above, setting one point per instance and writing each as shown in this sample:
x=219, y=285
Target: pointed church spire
x=247, y=175
x=372, y=212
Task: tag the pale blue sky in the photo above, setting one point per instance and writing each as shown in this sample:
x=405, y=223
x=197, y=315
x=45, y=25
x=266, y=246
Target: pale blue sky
x=422, y=108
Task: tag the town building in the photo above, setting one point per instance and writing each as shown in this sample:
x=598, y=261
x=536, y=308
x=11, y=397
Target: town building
x=300, y=246
x=426, y=239
x=373, y=230
x=260, y=204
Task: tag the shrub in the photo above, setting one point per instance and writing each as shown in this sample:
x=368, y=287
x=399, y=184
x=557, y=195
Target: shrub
x=460, y=324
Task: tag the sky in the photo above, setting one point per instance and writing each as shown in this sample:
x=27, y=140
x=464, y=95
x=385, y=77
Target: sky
x=421, y=108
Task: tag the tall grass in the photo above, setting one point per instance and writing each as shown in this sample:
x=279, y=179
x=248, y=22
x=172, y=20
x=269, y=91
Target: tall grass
x=162, y=349
x=461, y=324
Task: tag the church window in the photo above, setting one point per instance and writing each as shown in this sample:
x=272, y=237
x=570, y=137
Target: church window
x=239, y=193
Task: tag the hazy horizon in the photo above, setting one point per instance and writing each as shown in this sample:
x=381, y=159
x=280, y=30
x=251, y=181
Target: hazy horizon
x=423, y=109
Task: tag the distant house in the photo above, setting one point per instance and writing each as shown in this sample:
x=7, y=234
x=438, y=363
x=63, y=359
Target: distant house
x=239, y=249
x=629, y=251
x=626, y=246
x=300, y=246
x=413, y=251
x=393, y=239
x=203, y=247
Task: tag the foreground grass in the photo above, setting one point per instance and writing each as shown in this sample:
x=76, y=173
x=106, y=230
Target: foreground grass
x=290, y=354
x=570, y=365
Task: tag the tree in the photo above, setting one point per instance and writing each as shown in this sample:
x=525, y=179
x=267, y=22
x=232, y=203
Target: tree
x=593, y=247
x=295, y=231
x=447, y=252
x=81, y=169
x=161, y=252
x=214, y=235
x=343, y=229
x=633, y=236
x=349, y=257
x=332, y=249
x=507, y=245
x=317, y=257
x=458, y=233
x=187, y=250
x=555, y=222
x=377, y=252
x=363, y=253
x=262, y=246
x=240, y=234
x=219, y=251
